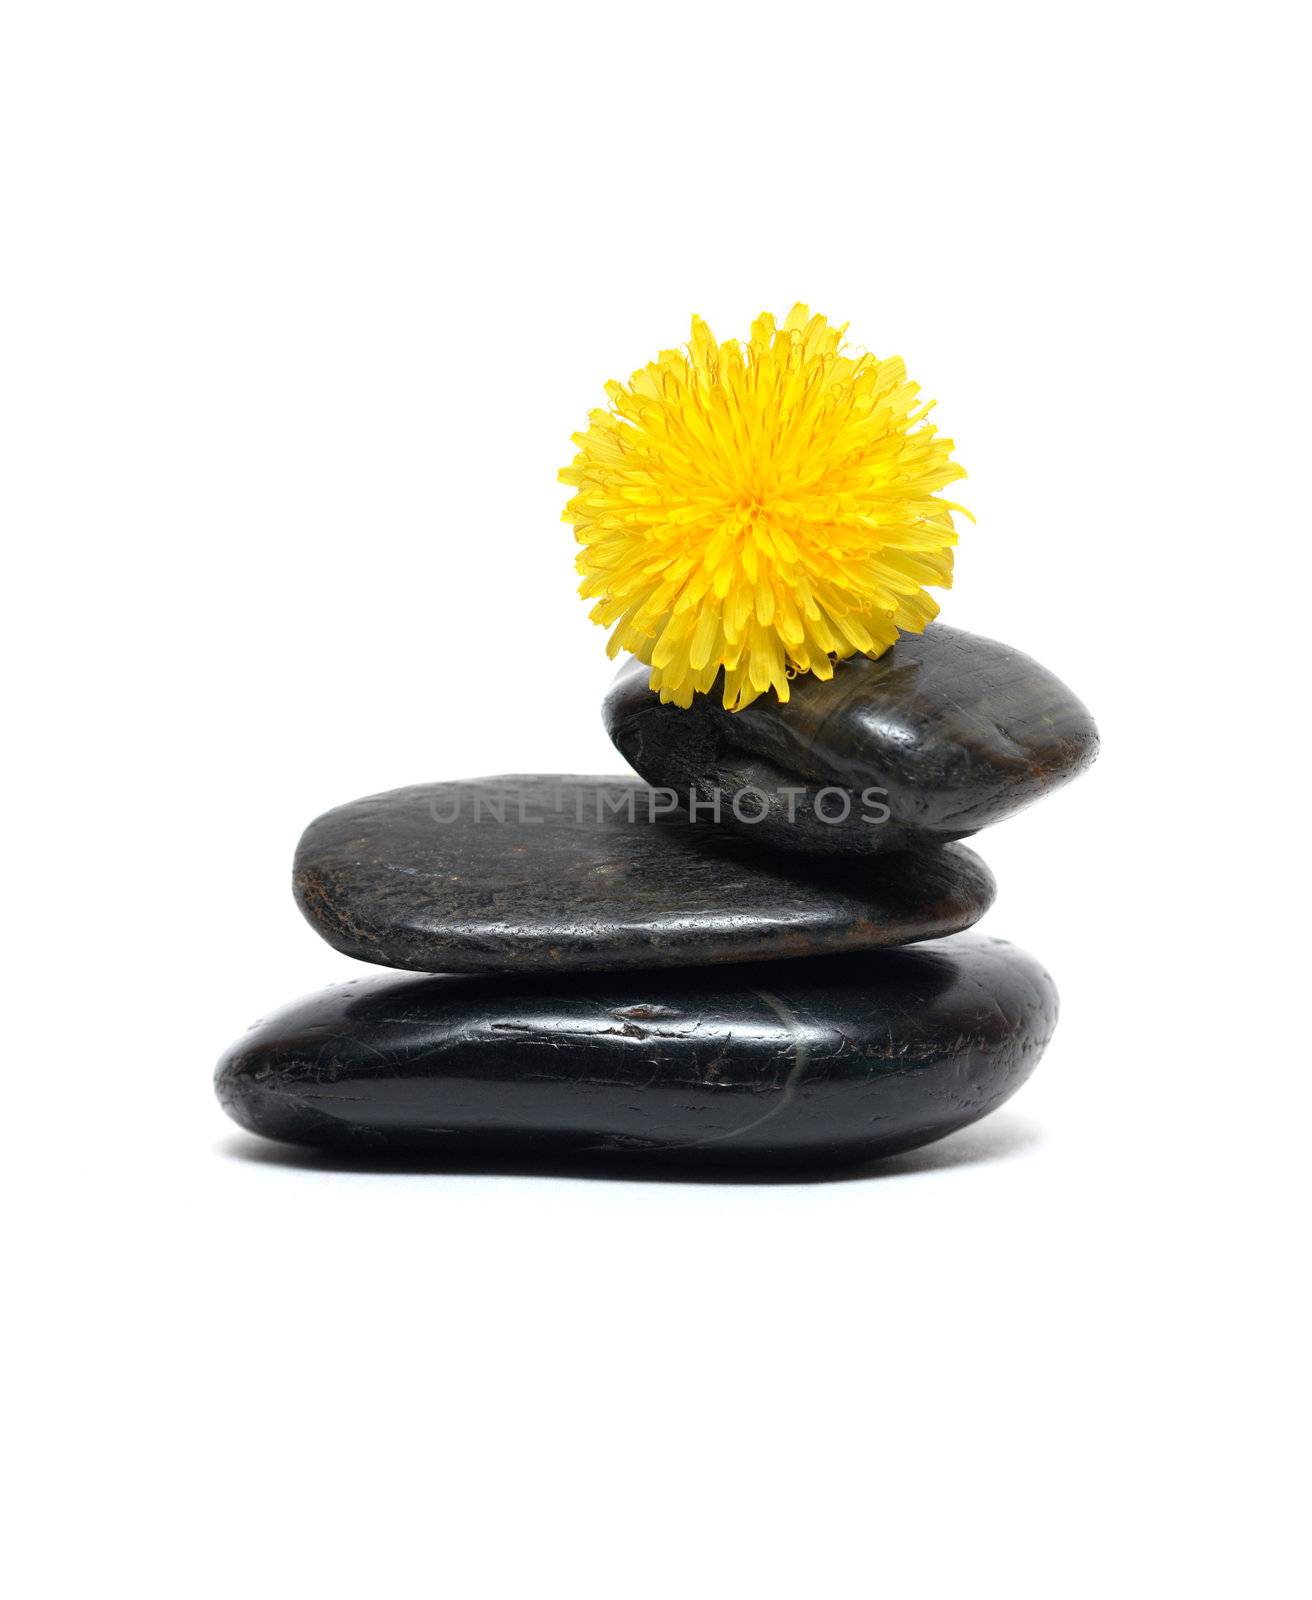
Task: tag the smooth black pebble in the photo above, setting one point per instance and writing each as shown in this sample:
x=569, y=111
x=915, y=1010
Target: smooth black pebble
x=957, y=732
x=814, y=1063
x=559, y=874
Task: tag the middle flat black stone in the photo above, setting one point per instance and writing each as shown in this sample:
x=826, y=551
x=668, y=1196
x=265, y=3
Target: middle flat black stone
x=557, y=873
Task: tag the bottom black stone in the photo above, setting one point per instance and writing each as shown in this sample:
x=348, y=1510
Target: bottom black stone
x=817, y=1063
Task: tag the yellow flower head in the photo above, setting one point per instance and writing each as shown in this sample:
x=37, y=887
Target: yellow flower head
x=763, y=511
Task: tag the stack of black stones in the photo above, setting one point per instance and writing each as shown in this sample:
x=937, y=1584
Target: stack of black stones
x=752, y=955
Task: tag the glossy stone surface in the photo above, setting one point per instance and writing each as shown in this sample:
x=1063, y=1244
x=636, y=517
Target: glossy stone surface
x=959, y=732
x=818, y=1062
x=558, y=874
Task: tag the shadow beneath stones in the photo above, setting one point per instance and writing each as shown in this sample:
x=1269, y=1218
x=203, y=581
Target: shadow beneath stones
x=995, y=1139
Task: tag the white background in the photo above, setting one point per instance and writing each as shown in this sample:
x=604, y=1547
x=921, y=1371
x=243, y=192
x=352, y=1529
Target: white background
x=301, y=305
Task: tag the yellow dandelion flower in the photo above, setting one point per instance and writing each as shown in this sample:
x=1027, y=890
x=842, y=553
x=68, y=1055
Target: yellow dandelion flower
x=761, y=511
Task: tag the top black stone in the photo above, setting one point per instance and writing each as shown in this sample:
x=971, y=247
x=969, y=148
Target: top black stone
x=555, y=874
x=956, y=730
